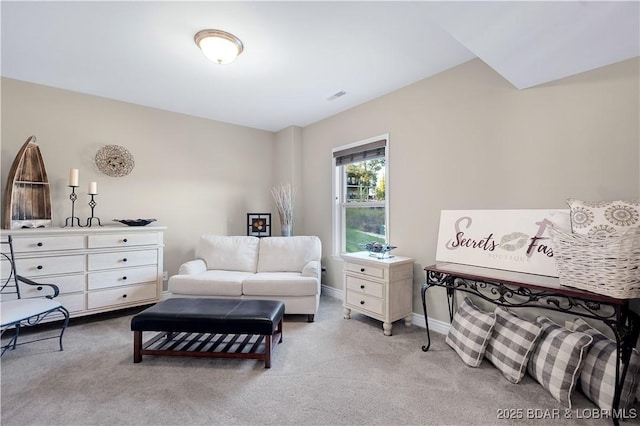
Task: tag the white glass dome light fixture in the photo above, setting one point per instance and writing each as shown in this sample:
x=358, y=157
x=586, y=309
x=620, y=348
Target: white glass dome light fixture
x=219, y=46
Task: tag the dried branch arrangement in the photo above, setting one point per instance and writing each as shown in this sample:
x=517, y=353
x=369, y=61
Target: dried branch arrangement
x=283, y=196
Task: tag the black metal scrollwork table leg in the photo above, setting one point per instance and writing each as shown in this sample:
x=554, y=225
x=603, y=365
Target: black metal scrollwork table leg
x=434, y=278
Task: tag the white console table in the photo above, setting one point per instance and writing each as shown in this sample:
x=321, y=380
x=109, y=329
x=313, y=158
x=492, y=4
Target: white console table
x=522, y=290
x=97, y=269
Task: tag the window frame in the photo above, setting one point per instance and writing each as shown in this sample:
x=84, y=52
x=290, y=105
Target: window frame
x=338, y=228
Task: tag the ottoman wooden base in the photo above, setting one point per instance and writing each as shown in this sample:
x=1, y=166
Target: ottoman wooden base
x=208, y=345
x=214, y=328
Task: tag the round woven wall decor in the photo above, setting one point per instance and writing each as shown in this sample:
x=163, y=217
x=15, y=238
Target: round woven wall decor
x=114, y=160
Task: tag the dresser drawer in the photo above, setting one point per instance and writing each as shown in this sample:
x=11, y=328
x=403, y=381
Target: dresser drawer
x=364, y=286
x=40, y=266
x=65, y=283
x=5, y=269
x=38, y=244
x=122, y=240
x=73, y=302
x=366, y=302
x=122, y=259
x=118, y=277
x=121, y=295
x=370, y=271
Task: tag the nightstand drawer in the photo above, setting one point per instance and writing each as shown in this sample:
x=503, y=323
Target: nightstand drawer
x=364, y=286
x=121, y=295
x=370, y=271
x=38, y=244
x=122, y=259
x=122, y=240
x=118, y=277
x=364, y=301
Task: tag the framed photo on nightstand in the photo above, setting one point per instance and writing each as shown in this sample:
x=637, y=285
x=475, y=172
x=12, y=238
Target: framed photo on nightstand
x=259, y=224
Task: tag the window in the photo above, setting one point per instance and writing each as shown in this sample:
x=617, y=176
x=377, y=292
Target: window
x=361, y=195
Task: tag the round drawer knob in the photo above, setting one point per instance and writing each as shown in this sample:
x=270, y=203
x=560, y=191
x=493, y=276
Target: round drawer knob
x=39, y=288
x=39, y=267
x=362, y=302
x=362, y=286
x=39, y=244
x=125, y=240
x=124, y=260
x=124, y=278
x=361, y=269
x=124, y=296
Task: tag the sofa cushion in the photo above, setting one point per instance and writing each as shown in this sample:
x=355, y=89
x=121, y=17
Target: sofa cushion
x=233, y=253
x=288, y=254
x=209, y=283
x=279, y=284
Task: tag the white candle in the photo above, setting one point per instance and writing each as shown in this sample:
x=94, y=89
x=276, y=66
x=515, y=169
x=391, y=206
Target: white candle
x=93, y=188
x=73, y=177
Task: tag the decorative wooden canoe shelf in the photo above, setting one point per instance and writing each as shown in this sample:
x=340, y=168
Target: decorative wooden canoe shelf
x=27, y=196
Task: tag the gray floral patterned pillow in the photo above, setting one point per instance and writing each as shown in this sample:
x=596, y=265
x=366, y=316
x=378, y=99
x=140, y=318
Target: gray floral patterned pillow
x=603, y=217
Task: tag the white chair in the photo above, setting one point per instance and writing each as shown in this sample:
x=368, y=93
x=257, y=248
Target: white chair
x=17, y=312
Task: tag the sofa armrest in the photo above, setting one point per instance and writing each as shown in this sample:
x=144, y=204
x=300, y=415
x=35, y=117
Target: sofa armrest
x=312, y=269
x=192, y=267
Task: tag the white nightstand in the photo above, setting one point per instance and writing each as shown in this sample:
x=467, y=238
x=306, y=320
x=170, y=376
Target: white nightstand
x=379, y=288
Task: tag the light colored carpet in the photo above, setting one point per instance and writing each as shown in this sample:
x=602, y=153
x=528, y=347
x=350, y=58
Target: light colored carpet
x=332, y=371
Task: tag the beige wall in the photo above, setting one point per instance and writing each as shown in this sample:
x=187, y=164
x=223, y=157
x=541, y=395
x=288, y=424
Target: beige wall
x=466, y=139
x=192, y=175
x=287, y=170
x=463, y=139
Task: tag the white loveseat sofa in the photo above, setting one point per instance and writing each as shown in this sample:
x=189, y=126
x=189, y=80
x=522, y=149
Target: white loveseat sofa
x=270, y=268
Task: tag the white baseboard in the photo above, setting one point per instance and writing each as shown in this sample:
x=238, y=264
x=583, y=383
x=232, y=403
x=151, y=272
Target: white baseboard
x=435, y=325
x=332, y=292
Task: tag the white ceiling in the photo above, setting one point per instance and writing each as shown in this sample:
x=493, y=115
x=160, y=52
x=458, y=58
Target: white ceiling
x=297, y=54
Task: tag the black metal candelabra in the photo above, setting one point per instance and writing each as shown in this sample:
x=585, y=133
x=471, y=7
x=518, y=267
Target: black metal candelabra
x=92, y=204
x=73, y=197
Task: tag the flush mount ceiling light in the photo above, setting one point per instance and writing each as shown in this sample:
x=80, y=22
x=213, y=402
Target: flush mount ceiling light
x=219, y=46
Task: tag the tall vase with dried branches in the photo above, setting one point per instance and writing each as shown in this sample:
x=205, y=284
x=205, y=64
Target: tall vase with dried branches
x=284, y=195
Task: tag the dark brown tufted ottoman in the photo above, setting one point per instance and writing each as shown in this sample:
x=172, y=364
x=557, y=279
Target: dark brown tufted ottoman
x=217, y=328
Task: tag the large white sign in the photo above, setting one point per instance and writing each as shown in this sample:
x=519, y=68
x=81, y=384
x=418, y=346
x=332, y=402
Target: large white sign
x=513, y=240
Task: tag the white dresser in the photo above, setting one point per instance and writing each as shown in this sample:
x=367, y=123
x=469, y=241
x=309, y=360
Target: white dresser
x=379, y=288
x=97, y=269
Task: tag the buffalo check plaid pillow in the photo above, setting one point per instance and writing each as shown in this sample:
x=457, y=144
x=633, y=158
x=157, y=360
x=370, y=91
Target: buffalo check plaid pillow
x=511, y=343
x=598, y=376
x=470, y=331
x=557, y=359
